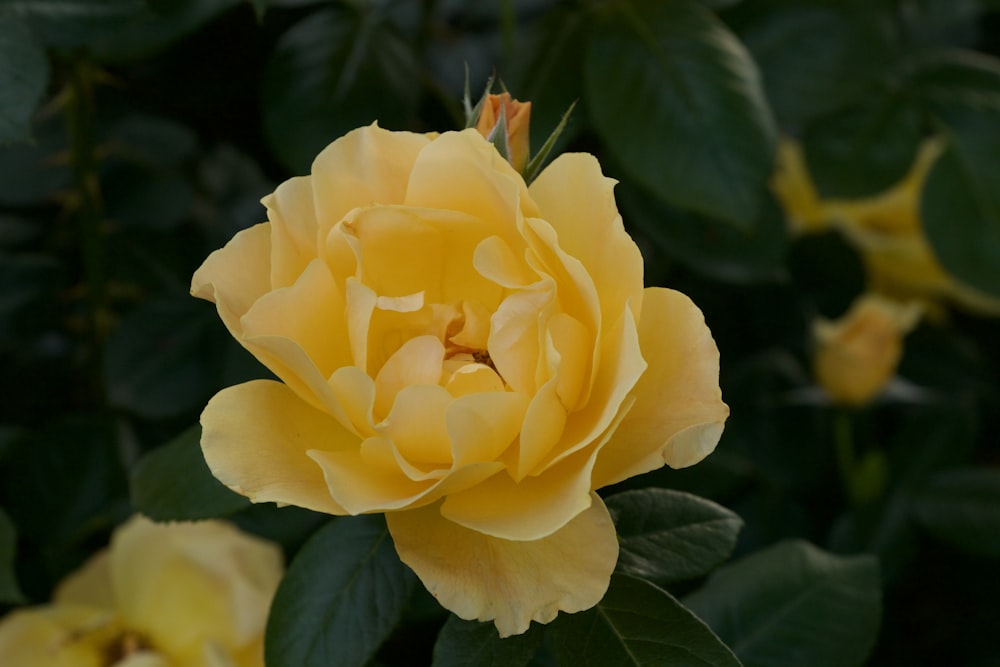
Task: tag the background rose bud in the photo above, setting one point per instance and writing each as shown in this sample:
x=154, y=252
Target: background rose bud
x=471, y=356
x=858, y=354
x=518, y=120
x=184, y=594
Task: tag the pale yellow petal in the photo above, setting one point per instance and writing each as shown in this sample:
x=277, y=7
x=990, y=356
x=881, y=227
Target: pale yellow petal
x=678, y=414
x=576, y=198
x=236, y=275
x=90, y=585
x=294, y=230
x=416, y=423
x=366, y=166
x=65, y=635
x=418, y=361
x=516, y=334
x=482, y=426
x=144, y=659
x=255, y=437
x=182, y=584
x=510, y=583
x=495, y=260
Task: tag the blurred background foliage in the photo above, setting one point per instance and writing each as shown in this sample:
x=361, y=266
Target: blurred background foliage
x=138, y=135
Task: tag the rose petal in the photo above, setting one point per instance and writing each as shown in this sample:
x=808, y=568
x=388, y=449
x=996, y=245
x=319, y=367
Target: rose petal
x=482, y=426
x=515, y=334
x=511, y=583
x=52, y=636
x=90, y=585
x=255, y=437
x=416, y=423
x=294, y=229
x=679, y=414
x=418, y=361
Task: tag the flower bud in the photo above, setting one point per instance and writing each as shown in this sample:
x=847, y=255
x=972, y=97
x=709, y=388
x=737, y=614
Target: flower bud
x=502, y=115
x=858, y=354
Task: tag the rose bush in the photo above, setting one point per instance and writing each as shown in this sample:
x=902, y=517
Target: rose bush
x=162, y=595
x=467, y=354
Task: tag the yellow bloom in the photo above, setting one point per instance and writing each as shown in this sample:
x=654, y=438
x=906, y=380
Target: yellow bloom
x=162, y=595
x=471, y=356
x=518, y=117
x=885, y=229
x=858, y=354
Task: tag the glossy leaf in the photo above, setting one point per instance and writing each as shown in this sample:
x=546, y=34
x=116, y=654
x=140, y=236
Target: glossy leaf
x=173, y=483
x=962, y=507
x=794, y=605
x=668, y=536
x=24, y=73
x=340, y=598
x=679, y=103
x=10, y=593
x=335, y=71
x=637, y=625
x=472, y=644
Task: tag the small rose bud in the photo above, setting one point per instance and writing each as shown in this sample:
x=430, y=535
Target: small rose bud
x=516, y=117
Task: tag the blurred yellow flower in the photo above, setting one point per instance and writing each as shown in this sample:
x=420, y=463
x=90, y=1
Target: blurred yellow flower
x=885, y=228
x=471, y=356
x=518, y=119
x=858, y=354
x=162, y=595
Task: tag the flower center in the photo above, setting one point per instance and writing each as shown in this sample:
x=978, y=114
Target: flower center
x=122, y=645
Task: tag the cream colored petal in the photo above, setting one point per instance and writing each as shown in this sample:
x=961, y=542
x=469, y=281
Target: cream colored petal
x=183, y=584
x=578, y=201
x=64, y=635
x=144, y=659
x=294, y=230
x=418, y=361
x=354, y=390
x=510, y=583
x=495, y=260
x=471, y=378
x=482, y=426
x=544, y=423
x=361, y=301
x=236, y=275
x=366, y=166
x=90, y=585
x=461, y=171
x=516, y=334
x=531, y=509
x=678, y=415
x=416, y=424
x=255, y=437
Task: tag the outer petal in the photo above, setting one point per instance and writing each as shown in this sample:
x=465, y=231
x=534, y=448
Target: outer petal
x=54, y=636
x=90, y=585
x=236, y=275
x=255, y=437
x=678, y=415
x=578, y=201
x=294, y=230
x=511, y=583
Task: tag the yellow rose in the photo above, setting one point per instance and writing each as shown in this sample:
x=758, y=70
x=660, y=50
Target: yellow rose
x=518, y=118
x=162, y=595
x=471, y=356
x=885, y=229
x=858, y=354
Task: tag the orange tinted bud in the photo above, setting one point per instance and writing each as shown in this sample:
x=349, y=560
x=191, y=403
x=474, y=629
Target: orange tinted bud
x=518, y=116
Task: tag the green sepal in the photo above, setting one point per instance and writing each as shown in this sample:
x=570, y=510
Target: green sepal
x=535, y=164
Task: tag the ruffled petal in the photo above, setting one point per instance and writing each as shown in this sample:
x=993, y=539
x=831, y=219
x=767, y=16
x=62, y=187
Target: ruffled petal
x=294, y=231
x=255, y=437
x=510, y=583
x=678, y=414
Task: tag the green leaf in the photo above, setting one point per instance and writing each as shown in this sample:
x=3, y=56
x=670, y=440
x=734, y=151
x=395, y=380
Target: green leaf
x=471, y=644
x=340, y=598
x=259, y=7
x=714, y=249
x=10, y=593
x=669, y=536
x=336, y=70
x=962, y=507
x=865, y=149
x=815, y=59
x=794, y=605
x=637, y=625
x=679, y=103
x=173, y=483
x=24, y=74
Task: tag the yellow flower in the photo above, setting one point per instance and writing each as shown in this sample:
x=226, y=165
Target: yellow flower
x=471, y=356
x=885, y=229
x=518, y=118
x=162, y=595
x=858, y=354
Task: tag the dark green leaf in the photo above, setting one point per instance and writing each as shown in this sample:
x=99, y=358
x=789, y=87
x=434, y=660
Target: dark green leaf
x=668, y=536
x=962, y=507
x=814, y=59
x=679, y=102
x=340, y=598
x=173, y=483
x=259, y=7
x=155, y=363
x=865, y=149
x=955, y=79
x=336, y=70
x=794, y=605
x=712, y=248
x=637, y=625
x=10, y=593
x=471, y=644
x=24, y=73
x=31, y=173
